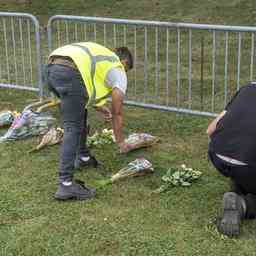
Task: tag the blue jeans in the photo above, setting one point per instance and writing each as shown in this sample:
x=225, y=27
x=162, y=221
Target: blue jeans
x=67, y=84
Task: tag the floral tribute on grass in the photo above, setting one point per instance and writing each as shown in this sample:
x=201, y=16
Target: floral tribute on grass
x=99, y=139
x=179, y=176
x=27, y=124
x=52, y=137
x=141, y=140
x=138, y=167
x=7, y=117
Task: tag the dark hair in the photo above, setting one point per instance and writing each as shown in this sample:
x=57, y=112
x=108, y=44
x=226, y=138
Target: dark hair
x=124, y=54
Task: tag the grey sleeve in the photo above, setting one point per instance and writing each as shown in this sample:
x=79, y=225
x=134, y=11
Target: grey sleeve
x=116, y=78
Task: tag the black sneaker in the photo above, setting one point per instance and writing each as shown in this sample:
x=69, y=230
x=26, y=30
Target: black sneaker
x=76, y=190
x=233, y=213
x=86, y=161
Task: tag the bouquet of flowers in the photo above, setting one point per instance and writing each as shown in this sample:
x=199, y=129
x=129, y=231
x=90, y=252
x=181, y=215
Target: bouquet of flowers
x=138, y=167
x=52, y=137
x=140, y=140
x=27, y=124
x=7, y=117
x=181, y=176
x=105, y=137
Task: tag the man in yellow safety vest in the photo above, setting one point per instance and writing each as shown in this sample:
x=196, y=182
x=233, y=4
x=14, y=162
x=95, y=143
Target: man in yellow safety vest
x=83, y=74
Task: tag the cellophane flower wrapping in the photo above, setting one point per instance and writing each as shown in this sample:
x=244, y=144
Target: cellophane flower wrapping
x=7, y=117
x=28, y=124
x=138, y=167
x=140, y=140
x=52, y=137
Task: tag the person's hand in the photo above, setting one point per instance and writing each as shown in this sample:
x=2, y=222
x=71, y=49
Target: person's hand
x=105, y=113
x=124, y=147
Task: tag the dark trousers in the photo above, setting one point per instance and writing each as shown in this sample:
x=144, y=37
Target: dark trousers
x=67, y=84
x=243, y=178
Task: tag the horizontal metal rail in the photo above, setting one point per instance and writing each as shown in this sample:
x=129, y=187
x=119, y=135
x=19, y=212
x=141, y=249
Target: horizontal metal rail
x=153, y=23
x=19, y=87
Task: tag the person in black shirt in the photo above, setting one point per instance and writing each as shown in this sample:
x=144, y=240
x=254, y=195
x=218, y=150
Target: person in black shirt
x=232, y=150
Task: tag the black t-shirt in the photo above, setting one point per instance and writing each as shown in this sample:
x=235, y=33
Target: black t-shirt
x=235, y=134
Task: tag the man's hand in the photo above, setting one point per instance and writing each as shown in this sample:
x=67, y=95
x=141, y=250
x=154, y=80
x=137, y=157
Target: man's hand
x=125, y=147
x=105, y=113
x=212, y=126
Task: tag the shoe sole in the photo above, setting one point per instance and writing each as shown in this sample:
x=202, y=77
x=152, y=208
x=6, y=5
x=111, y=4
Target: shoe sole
x=230, y=221
x=72, y=197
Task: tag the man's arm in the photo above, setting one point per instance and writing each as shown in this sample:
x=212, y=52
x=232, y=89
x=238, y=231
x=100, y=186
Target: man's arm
x=117, y=119
x=117, y=114
x=212, y=126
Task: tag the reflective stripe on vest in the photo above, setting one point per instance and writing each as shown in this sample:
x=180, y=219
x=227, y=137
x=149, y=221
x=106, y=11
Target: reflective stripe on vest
x=94, y=60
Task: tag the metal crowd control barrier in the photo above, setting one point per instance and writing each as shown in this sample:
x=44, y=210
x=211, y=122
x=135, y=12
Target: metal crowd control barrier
x=20, y=52
x=183, y=67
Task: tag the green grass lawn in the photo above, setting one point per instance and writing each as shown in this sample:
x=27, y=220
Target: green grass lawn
x=124, y=218
x=235, y=12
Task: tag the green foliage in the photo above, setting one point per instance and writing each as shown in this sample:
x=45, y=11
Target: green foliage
x=100, y=139
x=178, y=176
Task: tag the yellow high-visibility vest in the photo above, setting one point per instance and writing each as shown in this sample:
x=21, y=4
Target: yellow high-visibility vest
x=93, y=62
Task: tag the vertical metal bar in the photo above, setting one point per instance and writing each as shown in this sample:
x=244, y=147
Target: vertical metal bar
x=135, y=61
x=38, y=54
x=14, y=51
x=104, y=34
x=30, y=53
x=49, y=35
x=125, y=35
x=1, y=55
x=58, y=33
x=190, y=68
x=202, y=72
x=76, y=34
x=22, y=51
x=0, y=71
x=6, y=50
x=178, y=68
x=226, y=69
x=95, y=32
x=252, y=57
x=213, y=67
x=238, y=61
x=114, y=34
x=67, y=33
x=145, y=62
x=167, y=66
x=1, y=18
x=85, y=32
x=156, y=63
